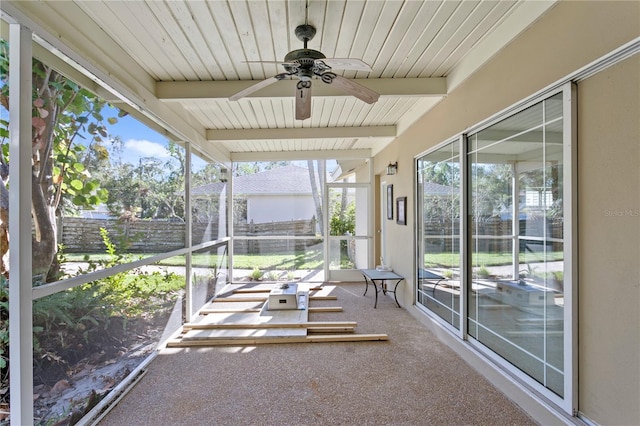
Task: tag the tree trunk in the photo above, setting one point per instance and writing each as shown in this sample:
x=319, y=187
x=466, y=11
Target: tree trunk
x=44, y=242
x=316, y=194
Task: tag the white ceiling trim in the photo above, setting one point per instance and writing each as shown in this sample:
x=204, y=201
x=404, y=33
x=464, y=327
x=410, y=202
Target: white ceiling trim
x=353, y=154
x=302, y=133
x=209, y=90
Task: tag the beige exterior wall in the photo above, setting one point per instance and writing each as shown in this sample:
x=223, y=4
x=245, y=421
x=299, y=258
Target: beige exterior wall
x=569, y=37
x=609, y=244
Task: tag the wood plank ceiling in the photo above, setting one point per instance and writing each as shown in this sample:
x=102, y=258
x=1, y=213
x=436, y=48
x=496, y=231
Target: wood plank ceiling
x=197, y=53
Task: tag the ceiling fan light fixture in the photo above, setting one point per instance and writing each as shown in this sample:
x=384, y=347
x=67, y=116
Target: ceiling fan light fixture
x=305, y=64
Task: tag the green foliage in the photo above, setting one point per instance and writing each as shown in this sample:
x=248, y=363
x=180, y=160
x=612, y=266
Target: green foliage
x=63, y=114
x=341, y=224
x=81, y=315
x=482, y=272
x=256, y=274
x=273, y=276
x=4, y=326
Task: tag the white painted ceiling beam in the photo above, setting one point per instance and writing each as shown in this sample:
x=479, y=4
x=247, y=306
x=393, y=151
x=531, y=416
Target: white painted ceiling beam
x=352, y=154
x=204, y=90
x=302, y=133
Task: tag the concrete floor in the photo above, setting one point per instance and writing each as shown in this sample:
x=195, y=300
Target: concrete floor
x=411, y=379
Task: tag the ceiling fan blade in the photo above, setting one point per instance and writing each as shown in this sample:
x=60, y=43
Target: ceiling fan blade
x=358, y=90
x=347, y=64
x=291, y=64
x=303, y=100
x=254, y=88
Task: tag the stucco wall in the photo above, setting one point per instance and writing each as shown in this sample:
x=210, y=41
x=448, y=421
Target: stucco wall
x=609, y=244
x=569, y=37
x=279, y=208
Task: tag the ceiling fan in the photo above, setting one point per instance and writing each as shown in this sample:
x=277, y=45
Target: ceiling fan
x=306, y=64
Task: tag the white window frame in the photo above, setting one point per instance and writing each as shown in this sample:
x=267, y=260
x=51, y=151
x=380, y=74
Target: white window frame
x=569, y=401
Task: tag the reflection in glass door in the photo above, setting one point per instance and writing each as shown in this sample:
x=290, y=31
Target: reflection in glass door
x=516, y=296
x=438, y=266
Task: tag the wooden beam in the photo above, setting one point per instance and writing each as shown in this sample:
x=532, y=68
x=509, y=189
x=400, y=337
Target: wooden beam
x=259, y=325
x=321, y=330
x=323, y=297
x=229, y=311
x=318, y=309
x=261, y=299
x=369, y=132
x=263, y=290
x=274, y=340
x=180, y=91
x=238, y=299
x=249, y=310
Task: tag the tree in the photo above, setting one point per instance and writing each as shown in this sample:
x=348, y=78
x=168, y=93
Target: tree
x=62, y=112
x=317, y=186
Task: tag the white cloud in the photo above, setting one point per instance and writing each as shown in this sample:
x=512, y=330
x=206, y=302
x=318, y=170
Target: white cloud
x=146, y=148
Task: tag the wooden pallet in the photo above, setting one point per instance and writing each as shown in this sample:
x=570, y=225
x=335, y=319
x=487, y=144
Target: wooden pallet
x=241, y=317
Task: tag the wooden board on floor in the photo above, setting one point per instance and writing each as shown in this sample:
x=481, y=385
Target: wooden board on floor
x=311, y=309
x=241, y=317
x=242, y=298
x=257, y=325
x=292, y=317
x=261, y=340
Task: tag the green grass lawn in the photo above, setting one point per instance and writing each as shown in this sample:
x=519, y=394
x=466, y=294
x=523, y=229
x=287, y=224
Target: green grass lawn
x=451, y=260
x=313, y=260
x=282, y=261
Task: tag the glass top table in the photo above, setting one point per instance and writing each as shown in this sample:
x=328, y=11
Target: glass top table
x=376, y=277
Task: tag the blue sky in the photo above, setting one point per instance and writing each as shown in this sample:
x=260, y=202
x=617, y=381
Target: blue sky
x=139, y=140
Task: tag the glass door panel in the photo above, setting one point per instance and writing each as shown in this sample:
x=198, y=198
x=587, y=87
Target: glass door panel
x=348, y=230
x=438, y=266
x=516, y=294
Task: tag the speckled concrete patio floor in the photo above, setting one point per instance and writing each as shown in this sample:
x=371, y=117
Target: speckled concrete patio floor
x=411, y=379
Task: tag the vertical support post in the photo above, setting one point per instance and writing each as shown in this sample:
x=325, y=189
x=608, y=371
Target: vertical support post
x=20, y=175
x=465, y=268
x=228, y=220
x=570, y=233
x=188, y=233
x=515, y=220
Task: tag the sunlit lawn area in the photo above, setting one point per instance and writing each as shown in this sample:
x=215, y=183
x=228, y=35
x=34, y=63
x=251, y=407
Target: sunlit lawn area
x=280, y=261
x=451, y=260
x=313, y=260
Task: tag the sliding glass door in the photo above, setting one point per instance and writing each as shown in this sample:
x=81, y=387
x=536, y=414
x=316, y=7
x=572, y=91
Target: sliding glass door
x=516, y=303
x=494, y=241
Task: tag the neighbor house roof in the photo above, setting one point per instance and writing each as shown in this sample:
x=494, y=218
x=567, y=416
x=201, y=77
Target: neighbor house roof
x=432, y=188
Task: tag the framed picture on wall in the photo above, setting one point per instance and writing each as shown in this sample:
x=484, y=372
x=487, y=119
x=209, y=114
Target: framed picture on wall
x=401, y=210
x=390, y=202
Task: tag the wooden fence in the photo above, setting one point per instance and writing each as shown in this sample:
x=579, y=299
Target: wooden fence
x=81, y=235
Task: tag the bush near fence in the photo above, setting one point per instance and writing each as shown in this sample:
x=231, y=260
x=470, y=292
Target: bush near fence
x=82, y=235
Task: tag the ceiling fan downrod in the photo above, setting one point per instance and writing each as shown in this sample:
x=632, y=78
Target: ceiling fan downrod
x=305, y=33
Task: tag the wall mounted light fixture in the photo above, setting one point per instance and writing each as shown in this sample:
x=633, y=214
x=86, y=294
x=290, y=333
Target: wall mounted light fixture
x=224, y=175
x=392, y=168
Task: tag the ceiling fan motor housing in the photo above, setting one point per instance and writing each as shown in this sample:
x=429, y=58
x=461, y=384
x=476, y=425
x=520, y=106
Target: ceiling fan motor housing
x=306, y=58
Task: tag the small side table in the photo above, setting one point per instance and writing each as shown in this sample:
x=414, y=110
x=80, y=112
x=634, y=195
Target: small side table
x=373, y=275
